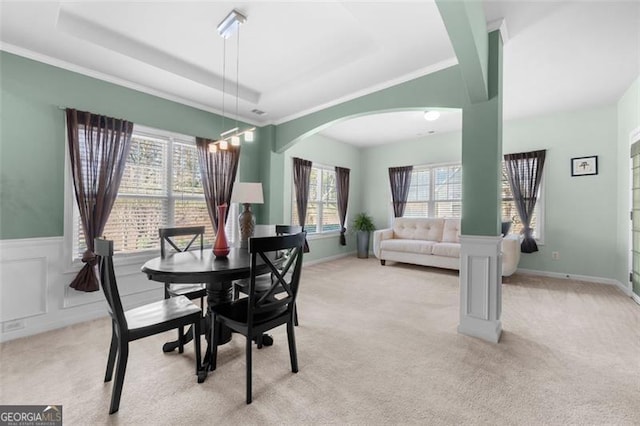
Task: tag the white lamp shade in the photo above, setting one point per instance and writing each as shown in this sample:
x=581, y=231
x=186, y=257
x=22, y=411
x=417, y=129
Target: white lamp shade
x=247, y=192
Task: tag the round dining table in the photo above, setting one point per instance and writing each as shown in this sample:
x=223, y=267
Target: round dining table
x=202, y=266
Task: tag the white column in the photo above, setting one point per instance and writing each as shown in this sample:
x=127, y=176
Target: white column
x=481, y=287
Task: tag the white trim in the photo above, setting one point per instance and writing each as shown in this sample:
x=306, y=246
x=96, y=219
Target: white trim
x=29, y=242
x=480, y=287
x=327, y=259
x=634, y=136
x=323, y=235
x=372, y=89
x=36, y=56
x=626, y=289
x=635, y=298
x=58, y=63
x=501, y=25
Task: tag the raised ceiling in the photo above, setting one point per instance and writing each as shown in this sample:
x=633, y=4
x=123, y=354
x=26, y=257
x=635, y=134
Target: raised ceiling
x=299, y=57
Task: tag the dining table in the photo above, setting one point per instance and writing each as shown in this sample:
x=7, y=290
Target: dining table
x=202, y=266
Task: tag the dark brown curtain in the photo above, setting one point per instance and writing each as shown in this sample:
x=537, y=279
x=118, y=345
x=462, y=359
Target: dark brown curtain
x=342, y=191
x=524, y=171
x=218, y=171
x=400, y=180
x=301, y=174
x=98, y=149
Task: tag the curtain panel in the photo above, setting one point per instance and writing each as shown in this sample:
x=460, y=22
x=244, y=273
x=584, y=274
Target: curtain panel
x=98, y=149
x=301, y=174
x=342, y=192
x=524, y=171
x=218, y=172
x=400, y=180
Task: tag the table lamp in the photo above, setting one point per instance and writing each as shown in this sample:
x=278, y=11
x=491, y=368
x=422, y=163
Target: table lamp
x=247, y=193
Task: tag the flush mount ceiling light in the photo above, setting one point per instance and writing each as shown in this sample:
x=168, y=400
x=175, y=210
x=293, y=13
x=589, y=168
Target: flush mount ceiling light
x=431, y=115
x=226, y=28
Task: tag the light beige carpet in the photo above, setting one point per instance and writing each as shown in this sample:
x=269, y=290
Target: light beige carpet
x=376, y=345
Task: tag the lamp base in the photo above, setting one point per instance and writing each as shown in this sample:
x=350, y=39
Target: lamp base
x=247, y=222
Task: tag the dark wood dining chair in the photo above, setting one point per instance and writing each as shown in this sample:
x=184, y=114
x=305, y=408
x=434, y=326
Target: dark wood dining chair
x=140, y=322
x=258, y=313
x=263, y=283
x=178, y=240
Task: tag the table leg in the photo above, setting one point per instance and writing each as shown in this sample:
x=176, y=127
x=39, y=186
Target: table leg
x=171, y=346
x=217, y=292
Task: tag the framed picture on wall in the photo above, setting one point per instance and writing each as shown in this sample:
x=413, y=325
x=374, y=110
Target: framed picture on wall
x=584, y=166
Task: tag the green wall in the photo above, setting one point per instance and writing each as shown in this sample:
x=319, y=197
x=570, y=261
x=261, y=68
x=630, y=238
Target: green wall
x=32, y=159
x=576, y=209
x=628, y=121
x=435, y=149
x=443, y=88
x=32, y=137
x=328, y=152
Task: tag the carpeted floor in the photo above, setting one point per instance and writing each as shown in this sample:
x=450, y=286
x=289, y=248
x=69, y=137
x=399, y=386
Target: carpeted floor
x=376, y=345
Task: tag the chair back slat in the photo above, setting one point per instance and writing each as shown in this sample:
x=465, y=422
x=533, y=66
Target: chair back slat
x=167, y=236
x=104, y=249
x=284, y=287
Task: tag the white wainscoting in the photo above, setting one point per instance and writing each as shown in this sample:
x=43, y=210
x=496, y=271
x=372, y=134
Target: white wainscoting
x=480, y=287
x=35, y=296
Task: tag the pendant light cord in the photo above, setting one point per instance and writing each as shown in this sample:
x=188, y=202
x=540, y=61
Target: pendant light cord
x=224, y=79
x=237, y=74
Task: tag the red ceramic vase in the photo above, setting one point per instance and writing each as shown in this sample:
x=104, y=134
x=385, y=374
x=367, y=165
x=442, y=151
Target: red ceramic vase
x=221, y=245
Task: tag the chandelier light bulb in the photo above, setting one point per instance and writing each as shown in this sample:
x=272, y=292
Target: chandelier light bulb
x=248, y=136
x=431, y=115
x=223, y=145
x=235, y=140
x=213, y=148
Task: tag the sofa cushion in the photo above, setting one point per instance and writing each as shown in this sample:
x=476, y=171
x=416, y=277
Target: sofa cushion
x=446, y=249
x=412, y=228
x=408, y=246
x=451, y=233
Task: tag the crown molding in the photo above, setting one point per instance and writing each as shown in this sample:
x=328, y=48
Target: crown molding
x=68, y=66
x=372, y=89
x=500, y=25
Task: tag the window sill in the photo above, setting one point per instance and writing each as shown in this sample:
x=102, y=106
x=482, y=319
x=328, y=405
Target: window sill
x=323, y=236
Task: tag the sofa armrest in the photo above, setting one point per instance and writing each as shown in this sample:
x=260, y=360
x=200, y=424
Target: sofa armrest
x=378, y=237
x=510, y=254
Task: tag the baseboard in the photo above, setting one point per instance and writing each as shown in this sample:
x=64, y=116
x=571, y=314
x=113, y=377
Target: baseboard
x=328, y=259
x=586, y=278
x=636, y=298
x=68, y=317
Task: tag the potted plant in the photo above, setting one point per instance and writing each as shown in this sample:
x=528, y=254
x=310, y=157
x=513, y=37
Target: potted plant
x=363, y=224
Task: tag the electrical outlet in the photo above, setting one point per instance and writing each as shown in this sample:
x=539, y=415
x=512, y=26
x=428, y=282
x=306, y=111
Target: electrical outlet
x=12, y=325
x=555, y=255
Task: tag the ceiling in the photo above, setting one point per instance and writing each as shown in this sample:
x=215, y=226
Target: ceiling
x=299, y=57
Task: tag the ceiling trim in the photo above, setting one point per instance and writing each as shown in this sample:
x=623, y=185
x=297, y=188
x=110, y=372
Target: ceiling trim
x=99, y=35
x=58, y=63
x=375, y=88
x=501, y=25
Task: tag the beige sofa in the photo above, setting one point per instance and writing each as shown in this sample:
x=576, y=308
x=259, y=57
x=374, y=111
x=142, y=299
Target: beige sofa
x=433, y=242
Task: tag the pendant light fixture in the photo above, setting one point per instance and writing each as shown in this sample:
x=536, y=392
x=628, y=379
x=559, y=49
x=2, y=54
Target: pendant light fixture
x=230, y=24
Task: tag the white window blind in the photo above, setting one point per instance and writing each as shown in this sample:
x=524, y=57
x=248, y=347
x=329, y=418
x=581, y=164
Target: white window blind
x=161, y=187
x=435, y=192
x=322, y=209
x=510, y=211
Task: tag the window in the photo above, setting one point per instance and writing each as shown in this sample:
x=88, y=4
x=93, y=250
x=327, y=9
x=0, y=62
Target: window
x=160, y=187
x=322, y=209
x=510, y=211
x=436, y=191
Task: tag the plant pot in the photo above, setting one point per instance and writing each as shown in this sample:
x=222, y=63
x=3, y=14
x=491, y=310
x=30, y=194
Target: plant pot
x=362, y=244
